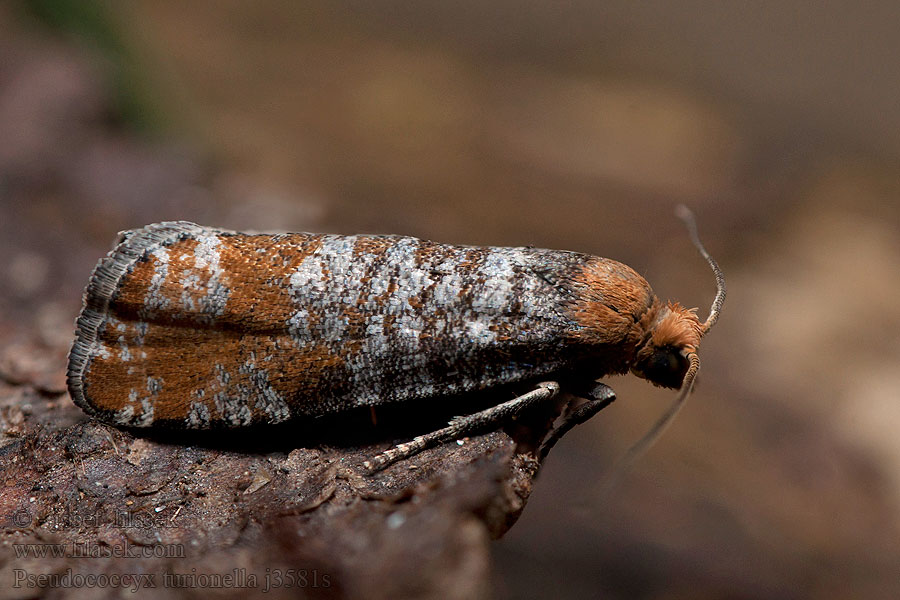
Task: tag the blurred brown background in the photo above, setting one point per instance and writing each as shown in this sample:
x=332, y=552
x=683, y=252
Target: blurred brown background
x=574, y=125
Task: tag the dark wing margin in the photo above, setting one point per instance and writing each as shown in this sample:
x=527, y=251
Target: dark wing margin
x=101, y=288
x=558, y=268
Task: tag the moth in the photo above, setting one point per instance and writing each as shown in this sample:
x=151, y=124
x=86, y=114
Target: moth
x=193, y=327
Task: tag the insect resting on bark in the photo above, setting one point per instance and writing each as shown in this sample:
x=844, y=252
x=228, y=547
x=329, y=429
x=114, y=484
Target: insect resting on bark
x=192, y=327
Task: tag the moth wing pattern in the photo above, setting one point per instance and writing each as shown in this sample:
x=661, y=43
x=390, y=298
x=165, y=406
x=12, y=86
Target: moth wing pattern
x=191, y=326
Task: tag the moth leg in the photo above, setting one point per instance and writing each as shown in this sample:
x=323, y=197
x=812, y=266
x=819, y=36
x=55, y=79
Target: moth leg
x=598, y=397
x=462, y=426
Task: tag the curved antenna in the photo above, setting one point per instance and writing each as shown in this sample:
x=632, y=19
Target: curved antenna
x=646, y=442
x=685, y=214
x=687, y=384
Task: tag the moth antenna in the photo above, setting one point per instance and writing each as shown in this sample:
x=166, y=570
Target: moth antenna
x=685, y=214
x=646, y=442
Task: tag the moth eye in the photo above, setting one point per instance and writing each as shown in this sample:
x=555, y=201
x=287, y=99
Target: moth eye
x=663, y=362
x=666, y=367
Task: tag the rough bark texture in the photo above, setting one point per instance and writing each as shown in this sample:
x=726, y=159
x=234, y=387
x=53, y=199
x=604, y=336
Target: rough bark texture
x=241, y=514
x=782, y=477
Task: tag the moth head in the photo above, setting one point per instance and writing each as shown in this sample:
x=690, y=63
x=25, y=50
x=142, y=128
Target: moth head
x=669, y=358
x=665, y=357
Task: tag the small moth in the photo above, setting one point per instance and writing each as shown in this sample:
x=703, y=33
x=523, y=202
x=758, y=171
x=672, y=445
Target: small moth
x=186, y=326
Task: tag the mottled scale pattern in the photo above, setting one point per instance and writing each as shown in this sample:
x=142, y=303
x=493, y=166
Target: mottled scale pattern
x=196, y=327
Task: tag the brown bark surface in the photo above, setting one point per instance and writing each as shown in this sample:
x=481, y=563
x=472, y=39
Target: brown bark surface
x=236, y=513
x=574, y=126
x=242, y=513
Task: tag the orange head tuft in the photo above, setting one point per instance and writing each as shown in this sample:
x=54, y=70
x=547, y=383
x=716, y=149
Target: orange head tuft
x=669, y=357
x=665, y=357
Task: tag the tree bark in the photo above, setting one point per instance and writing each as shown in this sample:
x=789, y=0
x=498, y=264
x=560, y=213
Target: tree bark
x=240, y=513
